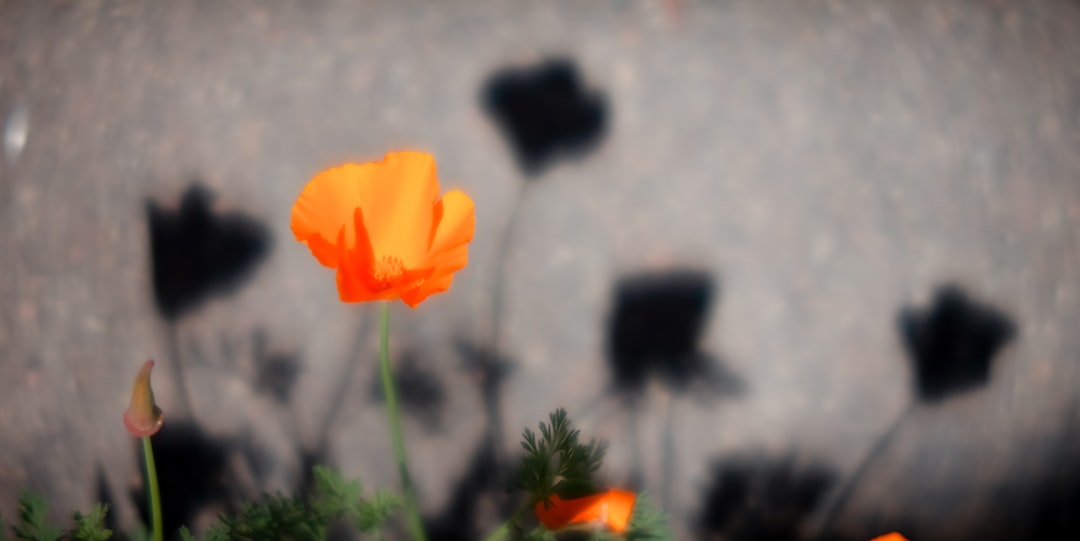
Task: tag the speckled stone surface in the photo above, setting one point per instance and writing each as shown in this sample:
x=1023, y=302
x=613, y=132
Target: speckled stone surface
x=830, y=162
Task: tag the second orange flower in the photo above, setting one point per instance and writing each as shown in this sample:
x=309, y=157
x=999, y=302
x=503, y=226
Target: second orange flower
x=611, y=509
x=384, y=228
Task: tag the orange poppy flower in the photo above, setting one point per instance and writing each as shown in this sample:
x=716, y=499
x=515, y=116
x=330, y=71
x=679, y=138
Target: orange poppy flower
x=385, y=230
x=143, y=417
x=612, y=509
x=890, y=537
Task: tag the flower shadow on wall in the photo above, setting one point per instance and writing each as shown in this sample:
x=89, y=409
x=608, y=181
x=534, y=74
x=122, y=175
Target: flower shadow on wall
x=545, y=112
x=757, y=499
x=951, y=346
x=654, y=333
x=197, y=254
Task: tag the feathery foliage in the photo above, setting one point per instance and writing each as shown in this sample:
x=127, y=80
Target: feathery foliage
x=557, y=462
x=91, y=527
x=296, y=519
x=32, y=525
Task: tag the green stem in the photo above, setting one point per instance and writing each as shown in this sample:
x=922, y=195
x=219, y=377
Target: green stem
x=394, y=416
x=510, y=522
x=155, y=495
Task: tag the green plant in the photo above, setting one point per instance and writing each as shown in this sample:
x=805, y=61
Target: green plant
x=292, y=518
x=33, y=523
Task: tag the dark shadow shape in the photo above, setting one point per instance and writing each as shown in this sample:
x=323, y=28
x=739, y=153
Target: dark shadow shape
x=1055, y=500
x=490, y=372
x=196, y=253
x=458, y=521
x=192, y=474
x=655, y=331
x=545, y=111
x=276, y=372
x=485, y=479
x=953, y=343
x=761, y=500
x=1058, y=514
x=951, y=346
x=309, y=458
x=419, y=391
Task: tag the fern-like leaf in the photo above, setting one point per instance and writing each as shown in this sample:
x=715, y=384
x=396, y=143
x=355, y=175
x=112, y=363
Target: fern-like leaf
x=32, y=525
x=185, y=534
x=557, y=460
x=91, y=527
x=374, y=514
x=218, y=532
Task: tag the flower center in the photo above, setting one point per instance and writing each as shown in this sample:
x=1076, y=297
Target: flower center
x=387, y=268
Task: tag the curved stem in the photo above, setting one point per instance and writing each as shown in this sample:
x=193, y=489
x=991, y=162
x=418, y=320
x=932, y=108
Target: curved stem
x=393, y=414
x=178, y=367
x=510, y=522
x=152, y=484
x=832, y=513
x=668, y=453
x=497, y=291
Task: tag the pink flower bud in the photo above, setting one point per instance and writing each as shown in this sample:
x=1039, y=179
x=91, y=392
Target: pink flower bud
x=143, y=418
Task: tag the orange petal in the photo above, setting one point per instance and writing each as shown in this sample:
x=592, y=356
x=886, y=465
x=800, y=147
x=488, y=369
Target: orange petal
x=143, y=417
x=890, y=537
x=431, y=286
x=325, y=206
x=364, y=276
x=612, y=509
x=353, y=275
x=326, y=253
x=455, y=227
x=397, y=195
x=455, y=224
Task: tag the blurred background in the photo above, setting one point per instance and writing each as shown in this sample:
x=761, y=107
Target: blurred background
x=810, y=267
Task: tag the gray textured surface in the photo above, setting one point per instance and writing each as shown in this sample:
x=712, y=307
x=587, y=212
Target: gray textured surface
x=829, y=161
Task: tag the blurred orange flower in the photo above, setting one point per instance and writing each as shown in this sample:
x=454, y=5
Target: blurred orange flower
x=612, y=509
x=384, y=228
x=890, y=537
x=143, y=417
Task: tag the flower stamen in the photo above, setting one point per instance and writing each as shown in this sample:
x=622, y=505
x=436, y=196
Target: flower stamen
x=387, y=269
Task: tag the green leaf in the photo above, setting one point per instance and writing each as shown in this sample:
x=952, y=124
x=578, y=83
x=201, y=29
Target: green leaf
x=297, y=519
x=336, y=496
x=275, y=517
x=185, y=534
x=648, y=522
x=218, y=532
x=556, y=457
x=91, y=527
x=373, y=515
x=32, y=526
